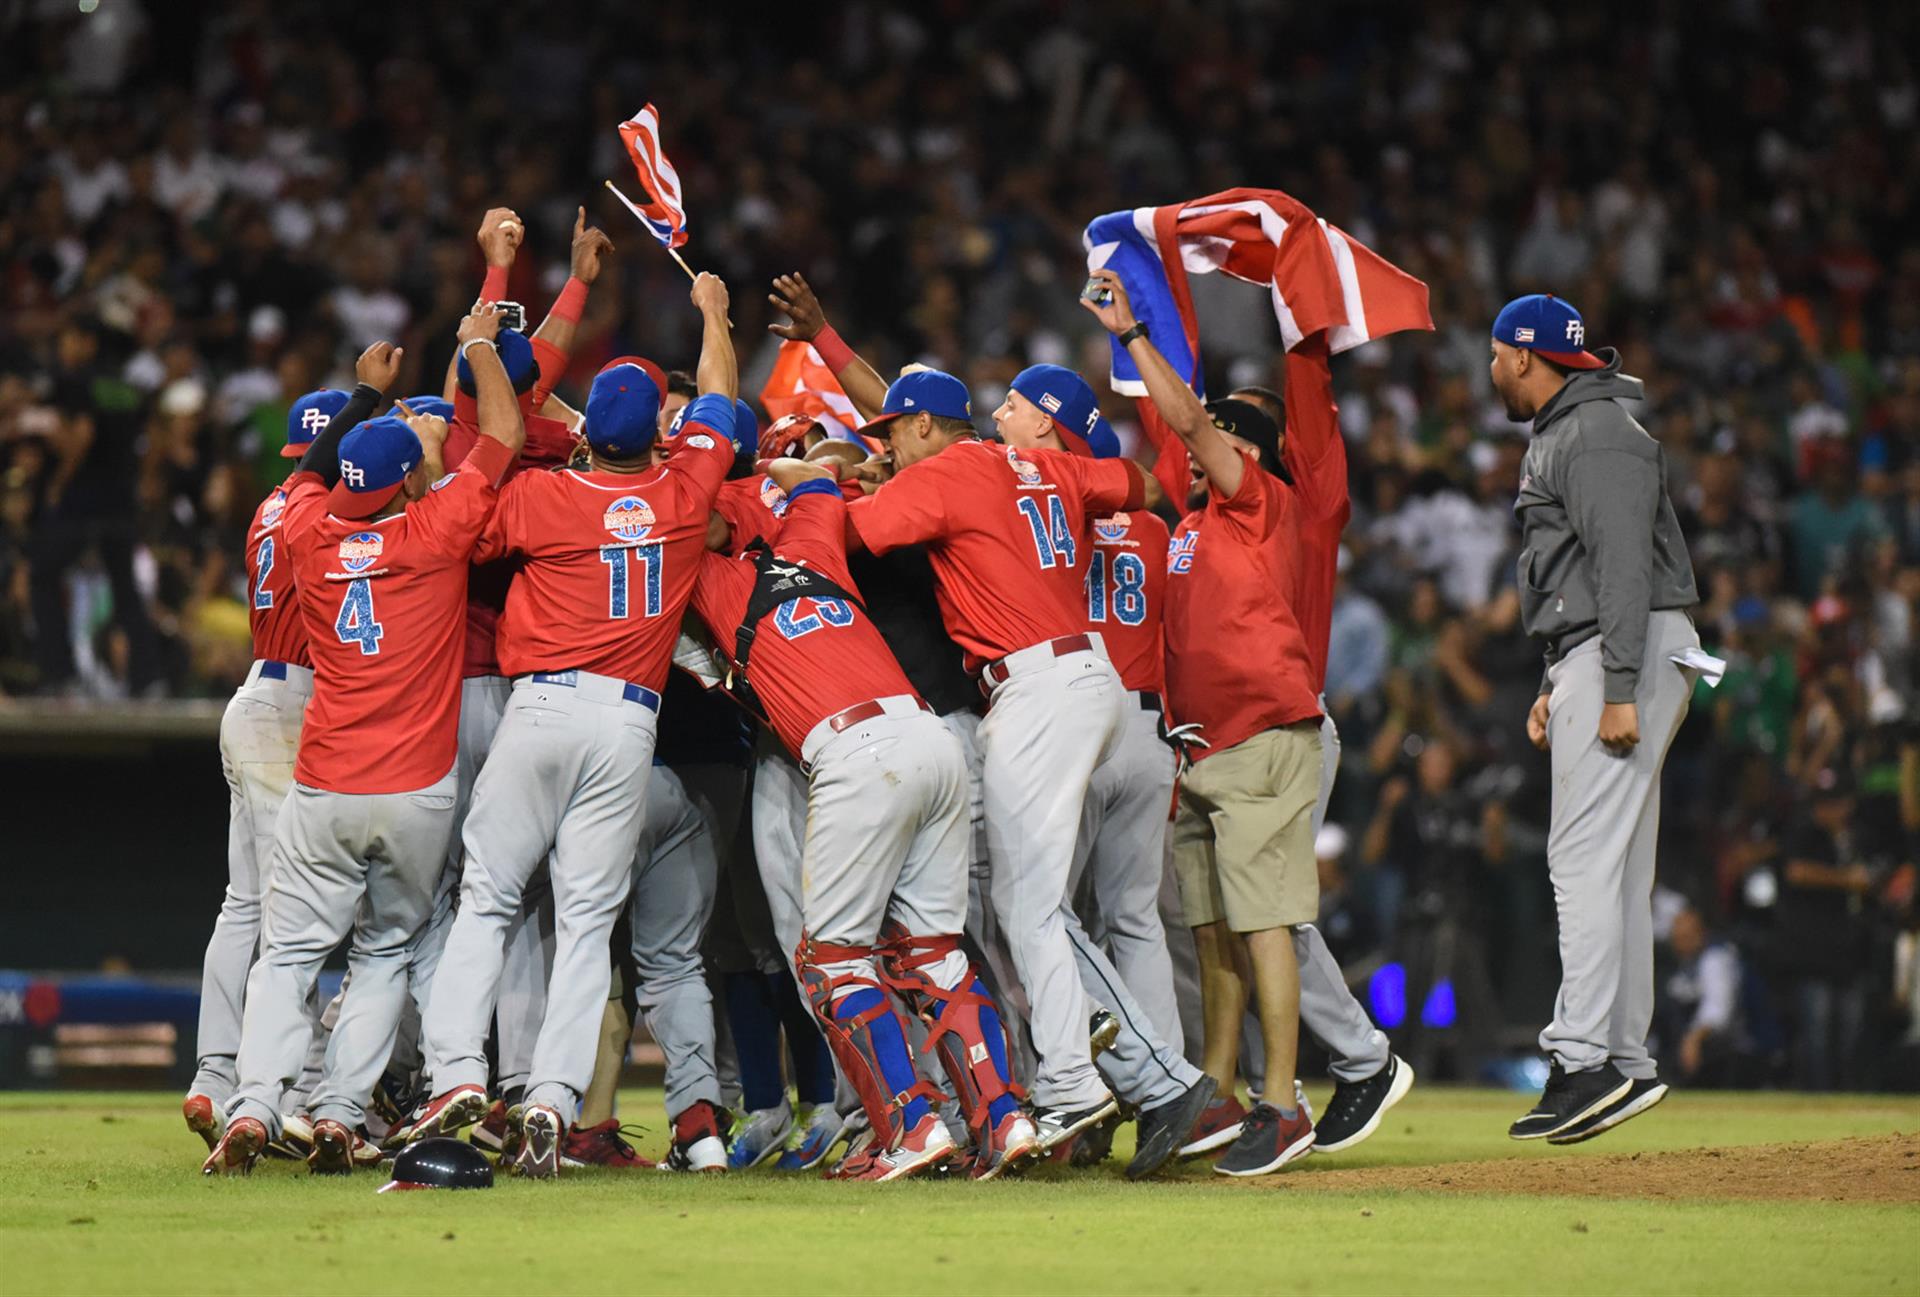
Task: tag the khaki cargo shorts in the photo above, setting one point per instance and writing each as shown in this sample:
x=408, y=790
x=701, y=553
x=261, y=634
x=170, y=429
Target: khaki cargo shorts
x=1243, y=834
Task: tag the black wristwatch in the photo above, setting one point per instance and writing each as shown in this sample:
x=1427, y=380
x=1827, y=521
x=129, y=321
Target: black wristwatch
x=1139, y=330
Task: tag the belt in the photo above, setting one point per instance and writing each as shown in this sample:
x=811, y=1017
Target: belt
x=633, y=693
x=866, y=711
x=271, y=670
x=1150, y=701
x=994, y=674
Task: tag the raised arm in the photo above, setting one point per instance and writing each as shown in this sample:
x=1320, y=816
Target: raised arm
x=718, y=372
x=375, y=372
x=497, y=406
x=1218, y=458
x=807, y=322
x=553, y=340
x=500, y=234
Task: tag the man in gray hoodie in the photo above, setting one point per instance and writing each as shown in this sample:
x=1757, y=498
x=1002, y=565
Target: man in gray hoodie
x=1605, y=582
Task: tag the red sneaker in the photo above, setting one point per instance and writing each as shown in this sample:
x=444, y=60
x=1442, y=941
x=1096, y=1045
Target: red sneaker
x=1012, y=1142
x=1218, y=1126
x=239, y=1148
x=601, y=1145
x=202, y=1118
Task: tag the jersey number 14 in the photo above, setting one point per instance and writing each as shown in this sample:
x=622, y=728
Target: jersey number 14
x=1052, y=534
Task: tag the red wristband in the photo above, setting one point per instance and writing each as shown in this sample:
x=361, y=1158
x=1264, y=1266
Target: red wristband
x=837, y=354
x=494, y=287
x=571, y=302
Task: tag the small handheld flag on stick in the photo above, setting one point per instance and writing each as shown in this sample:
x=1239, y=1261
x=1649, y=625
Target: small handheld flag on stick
x=664, y=215
x=642, y=216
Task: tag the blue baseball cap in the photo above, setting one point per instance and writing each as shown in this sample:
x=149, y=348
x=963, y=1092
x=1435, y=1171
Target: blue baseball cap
x=623, y=412
x=375, y=459
x=1543, y=324
x=516, y=355
x=437, y=406
x=1065, y=397
x=309, y=418
x=924, y=390
x=746, y=425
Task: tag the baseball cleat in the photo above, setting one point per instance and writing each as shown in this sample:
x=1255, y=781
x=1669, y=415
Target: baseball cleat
x=1642, y=1094
x=1569, y=1099
x=1012, y=1142
x=1355, y=1110
x=697, y=1143
x=1102, y=1030
x=445, y=1114
x=296, y=1137
x=332, y=1149
x=500, y=1131
x=202, y=1118
x=539, y=1157
x=1058, y=1125
x=1268, y=1141
x=239, y=1148
x=760, y=1136
x=925, y=1146
x=601, y=1145
x=1218, y=1126
x=816, y=1129
x=1163, y=1126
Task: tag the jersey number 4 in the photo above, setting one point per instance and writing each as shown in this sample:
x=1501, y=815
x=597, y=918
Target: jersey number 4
x=356, y=624
x=1125, y=592
x=619, y=559
x=1052, y=536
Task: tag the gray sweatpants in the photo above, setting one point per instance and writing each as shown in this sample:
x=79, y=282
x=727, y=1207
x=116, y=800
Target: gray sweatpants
x=675, y=874
x=342, y=862
x=1600, y=850
x=259, y=736
x=568, y=775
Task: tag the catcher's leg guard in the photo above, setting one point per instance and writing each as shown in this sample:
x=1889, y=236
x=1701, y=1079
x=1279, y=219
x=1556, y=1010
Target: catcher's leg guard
x=866, y=1035
x=938, y=982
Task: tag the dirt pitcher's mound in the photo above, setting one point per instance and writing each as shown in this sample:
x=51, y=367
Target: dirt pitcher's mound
x=1880, y=1168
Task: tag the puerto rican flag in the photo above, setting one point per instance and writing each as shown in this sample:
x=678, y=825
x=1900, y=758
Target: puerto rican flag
x=666, y=215
x=1319, y=276
x=801, y=383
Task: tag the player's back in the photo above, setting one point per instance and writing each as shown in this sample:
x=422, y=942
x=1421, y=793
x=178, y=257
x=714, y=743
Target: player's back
x=273, y=605
x=1126, y=587
x=752, y=507
x=608, y=562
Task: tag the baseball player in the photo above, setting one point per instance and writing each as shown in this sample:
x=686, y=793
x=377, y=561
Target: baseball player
x=380, y=559
x=883, y=880
x=259, y=734
x=1006, y=534
x=608, y=559
x=1123, y=824
x=1606, y=583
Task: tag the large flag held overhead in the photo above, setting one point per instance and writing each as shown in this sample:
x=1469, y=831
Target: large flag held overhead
x=1319, y=276
x=801, y=383
x=665, y=215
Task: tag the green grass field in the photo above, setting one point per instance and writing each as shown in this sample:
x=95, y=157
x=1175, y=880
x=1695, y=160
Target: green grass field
x=100, y=1193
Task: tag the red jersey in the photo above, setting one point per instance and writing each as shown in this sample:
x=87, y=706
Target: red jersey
x=801, y=677
x=1006, y=531
x=608, y=560
x=1126, y=596
x=1236, y=661
x=752, y=506
x=1316, y=457
x=273, y=610
x=549, y=444
x=382, y=604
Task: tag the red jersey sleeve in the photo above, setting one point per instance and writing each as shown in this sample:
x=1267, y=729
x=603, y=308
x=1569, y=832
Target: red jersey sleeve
x=1256, y=510
x=306, y=505
x=510, y=507
x=815, y=532
x=703, y=457
x=1104, y=486
x=450, y=518
x=1171, y=463
x=1314, y=451
x=911, y=508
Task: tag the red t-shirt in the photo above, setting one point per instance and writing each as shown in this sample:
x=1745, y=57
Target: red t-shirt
x=273, y=609
x=1007, y=533
x=1236, y=661
x=1316, y=456
x=607, y=561
x=812, y=658
x=752, y=506
x=382, y=605
x=549, y=444
x=1126, y=596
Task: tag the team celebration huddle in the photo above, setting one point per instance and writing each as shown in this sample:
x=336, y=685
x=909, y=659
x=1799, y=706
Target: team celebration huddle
x=939, y=798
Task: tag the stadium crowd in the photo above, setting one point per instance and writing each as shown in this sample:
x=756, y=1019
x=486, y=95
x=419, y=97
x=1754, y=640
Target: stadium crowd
x=204, y=217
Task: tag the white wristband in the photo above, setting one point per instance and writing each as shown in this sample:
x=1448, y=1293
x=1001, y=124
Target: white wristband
x=473, y=342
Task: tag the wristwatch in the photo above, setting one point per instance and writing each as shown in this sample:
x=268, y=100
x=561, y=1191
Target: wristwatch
x=1139, y=330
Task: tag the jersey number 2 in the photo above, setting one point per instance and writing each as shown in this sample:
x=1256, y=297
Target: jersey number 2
x=355, y=624
x=263, y=597
x=1052, y=536
x=1125, y=594
x=617, y=559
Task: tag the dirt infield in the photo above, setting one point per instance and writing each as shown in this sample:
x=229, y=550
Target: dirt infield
x=1883, y=1168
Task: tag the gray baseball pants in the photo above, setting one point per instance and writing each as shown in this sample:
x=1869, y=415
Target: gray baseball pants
x=676, y=873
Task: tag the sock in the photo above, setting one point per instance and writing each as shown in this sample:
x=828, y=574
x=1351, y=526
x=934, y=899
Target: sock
x=889, y=1048
x=1288, y=1113
x=996, y=1037
x=756, y=1039
x=812, y=1061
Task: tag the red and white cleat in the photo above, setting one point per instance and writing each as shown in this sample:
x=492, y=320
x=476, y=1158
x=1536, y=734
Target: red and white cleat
x=925, y=1146
x=202, y=1118
x=239, y=1148
x=601, y=1145
x=1012, y=1142
x=446, y=1114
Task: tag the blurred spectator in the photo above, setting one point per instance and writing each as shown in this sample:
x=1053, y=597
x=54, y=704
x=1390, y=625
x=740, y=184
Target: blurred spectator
x=1699, y=1020
x=1821, y=934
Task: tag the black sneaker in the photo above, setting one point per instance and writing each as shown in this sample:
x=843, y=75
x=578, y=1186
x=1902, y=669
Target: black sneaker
x=1355, y=1110
x=1641, y=1095
x=1268, y=1141
x=1163, y=1128
x=1569, y=1099
x=1058, y=1125
x=1095, y=1144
